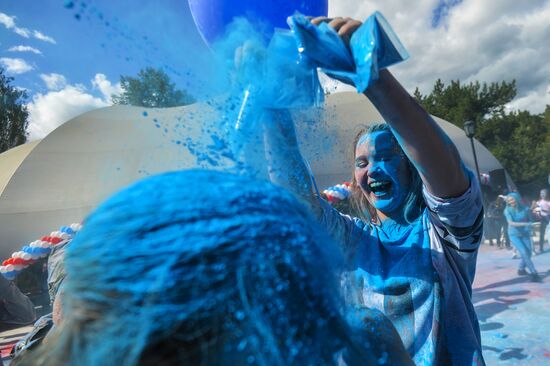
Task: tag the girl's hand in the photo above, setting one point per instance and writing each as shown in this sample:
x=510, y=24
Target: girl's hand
x=344, y=26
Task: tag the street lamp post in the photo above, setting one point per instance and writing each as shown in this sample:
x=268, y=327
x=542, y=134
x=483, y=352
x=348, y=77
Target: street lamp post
x=470, y=130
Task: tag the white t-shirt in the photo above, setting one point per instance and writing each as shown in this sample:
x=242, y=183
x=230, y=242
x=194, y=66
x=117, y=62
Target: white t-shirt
x=544, y=206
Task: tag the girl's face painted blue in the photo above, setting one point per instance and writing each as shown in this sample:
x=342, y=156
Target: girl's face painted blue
x=382, y=173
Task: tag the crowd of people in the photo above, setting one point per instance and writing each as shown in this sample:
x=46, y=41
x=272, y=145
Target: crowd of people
x=249, y=272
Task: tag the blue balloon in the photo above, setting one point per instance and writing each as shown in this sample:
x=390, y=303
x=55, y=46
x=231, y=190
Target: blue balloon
x=10, y=275
x=66, y=229
x=211, y=16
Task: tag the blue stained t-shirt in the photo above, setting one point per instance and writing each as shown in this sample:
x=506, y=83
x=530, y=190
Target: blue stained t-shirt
x=522, y=214
x=420, y=275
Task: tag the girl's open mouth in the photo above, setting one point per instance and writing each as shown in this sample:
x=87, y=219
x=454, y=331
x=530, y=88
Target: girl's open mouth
x=380, y=188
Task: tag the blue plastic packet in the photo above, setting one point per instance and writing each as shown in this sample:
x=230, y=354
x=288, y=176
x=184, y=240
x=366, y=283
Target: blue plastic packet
x=290, y=78
x=374, y=46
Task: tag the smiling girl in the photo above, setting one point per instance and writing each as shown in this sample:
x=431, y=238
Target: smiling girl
x=412, y=253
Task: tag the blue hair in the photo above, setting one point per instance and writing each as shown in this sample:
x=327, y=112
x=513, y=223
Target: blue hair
x=519, y=204
x=196, y=267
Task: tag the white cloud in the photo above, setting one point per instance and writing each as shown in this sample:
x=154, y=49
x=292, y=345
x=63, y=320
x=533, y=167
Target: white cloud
x=41, y=36
x=106, y=88
x=50, y=110
x=54, y=81
x=489, y=41
x=533, y=101
x=9, y=23
x=24, y=49
x=15, y=65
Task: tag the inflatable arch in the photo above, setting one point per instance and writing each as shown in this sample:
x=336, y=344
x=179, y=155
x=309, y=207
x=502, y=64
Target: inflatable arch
x=59, y=179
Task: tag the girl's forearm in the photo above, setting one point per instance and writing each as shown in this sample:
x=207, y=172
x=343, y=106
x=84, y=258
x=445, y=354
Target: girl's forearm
x=424, y=142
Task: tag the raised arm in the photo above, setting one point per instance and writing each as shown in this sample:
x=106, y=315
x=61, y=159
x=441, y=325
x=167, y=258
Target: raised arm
x=288, y=169
x=513, y=223
x=427, y=146
x=286, y=165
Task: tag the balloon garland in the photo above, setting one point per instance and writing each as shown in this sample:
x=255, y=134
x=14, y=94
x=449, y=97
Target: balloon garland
x=37, y=249
x=338, y=192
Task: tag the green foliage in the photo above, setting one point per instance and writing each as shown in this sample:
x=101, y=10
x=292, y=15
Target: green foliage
x=152, y=89
x=519, y=140
x=458, y=103
x=13, y=114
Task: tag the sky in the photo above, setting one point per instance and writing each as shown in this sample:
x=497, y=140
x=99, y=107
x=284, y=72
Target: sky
x=69, y=55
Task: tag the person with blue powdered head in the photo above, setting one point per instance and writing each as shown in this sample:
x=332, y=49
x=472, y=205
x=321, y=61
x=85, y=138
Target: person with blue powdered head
x=412, y=252
x=239, y=274
x=519, y=221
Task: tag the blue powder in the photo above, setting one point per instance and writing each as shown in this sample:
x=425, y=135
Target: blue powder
x=265, y=71
x=260, y=73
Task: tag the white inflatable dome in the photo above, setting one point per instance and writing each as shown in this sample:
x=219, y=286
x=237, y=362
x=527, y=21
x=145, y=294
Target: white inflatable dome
x=57, y=180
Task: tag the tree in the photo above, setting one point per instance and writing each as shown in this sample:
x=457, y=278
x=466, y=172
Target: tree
x=458, y=103
x=151, y=88
x=13, y=114
x=519, y=140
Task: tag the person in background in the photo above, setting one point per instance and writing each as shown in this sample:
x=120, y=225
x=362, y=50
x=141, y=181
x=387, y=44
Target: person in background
x=519, y=221
x=16, y=309
x=541, y=210
x=42, y=327
x=495, y=220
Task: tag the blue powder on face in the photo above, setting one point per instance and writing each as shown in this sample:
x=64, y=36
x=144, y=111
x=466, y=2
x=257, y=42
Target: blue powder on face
x=385, y=164
x=211, y=261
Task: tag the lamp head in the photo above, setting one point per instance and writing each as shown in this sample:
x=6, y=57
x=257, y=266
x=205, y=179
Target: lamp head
x=470, y=129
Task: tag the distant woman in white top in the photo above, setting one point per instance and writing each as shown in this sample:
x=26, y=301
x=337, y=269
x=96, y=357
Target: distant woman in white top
x=541, y=210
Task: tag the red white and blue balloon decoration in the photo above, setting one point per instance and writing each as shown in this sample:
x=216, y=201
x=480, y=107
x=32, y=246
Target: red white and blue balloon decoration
x=35, y=250
x=338, y=192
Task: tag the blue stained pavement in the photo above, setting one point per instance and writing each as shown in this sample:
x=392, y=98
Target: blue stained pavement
x=514, y=313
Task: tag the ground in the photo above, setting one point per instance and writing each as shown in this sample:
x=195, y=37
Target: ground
x=514, y=313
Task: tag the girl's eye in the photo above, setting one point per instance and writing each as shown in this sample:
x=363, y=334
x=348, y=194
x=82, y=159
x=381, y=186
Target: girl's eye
x=386, y=158
x=360, y=164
